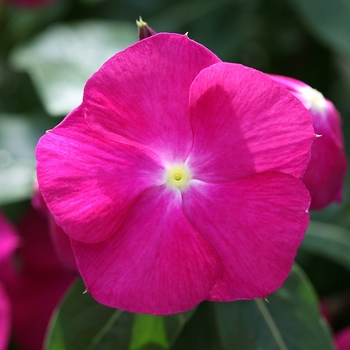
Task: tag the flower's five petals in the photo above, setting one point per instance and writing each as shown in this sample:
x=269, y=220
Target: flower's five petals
x=243, y=122
x=178, y=179
x=89, y=182
x=255, y=225
x=130, y=101
x=157, y=263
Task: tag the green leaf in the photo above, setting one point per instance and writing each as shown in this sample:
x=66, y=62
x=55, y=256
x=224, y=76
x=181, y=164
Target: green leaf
x=18, y=139
x=22, y=22
x=288, y=321
x=201, y=332
x=82, y=323
x=62, y=58
x=328, y=240
x=329, y=20
x=91, y=2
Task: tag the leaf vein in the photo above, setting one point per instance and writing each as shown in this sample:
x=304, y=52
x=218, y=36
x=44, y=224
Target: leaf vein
x=271, y=324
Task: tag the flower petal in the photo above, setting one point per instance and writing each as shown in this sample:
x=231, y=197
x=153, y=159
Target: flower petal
x=5, y=319
x=141, y=94
x=89, y=182
x=42, y=296
x=157, y=263
x=36, y=252
x=244, y=122
x=342, y=339
x=41, y=282
x=255, y=225
x=294, y=86
x=8, y=238
x=9, y=242
x=325, y=173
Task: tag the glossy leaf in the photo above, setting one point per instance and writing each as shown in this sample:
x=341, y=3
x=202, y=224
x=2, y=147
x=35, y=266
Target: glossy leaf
x=62, y=58
x=201, y=332
x=18, y=138
x=82, y=323
x=329, y=20
x=328, y=240
x=290, y=320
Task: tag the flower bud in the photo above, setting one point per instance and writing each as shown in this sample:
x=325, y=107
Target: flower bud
x=145, y=30
x=326, y=170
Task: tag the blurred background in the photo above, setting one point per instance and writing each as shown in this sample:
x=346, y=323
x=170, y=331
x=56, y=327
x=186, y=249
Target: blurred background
x=48, y=49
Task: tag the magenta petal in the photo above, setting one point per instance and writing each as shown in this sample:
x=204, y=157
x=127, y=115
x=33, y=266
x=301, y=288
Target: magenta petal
x=9, y=242
x=324, y=176
x=89, y=182
x=140, y=96
x=293, y=85
x=33, y=306
x=156, y=263
x=342, y=339
x=325, y=173
x=36, y=251
x=9, y=239
x=41, y=282
x=255, y=225
x=244, y=122
x=5, y=319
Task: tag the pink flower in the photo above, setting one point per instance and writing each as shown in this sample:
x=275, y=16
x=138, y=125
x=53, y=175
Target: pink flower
x=5, y=318
x=326, y=170
x=178, y=178
x=8, y=243
x=32, y=291
x=342, y=339
x=43, y=278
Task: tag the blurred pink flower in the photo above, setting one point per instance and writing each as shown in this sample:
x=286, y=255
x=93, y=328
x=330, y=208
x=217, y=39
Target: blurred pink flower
x=33, y=286
x=5, y=319
x=8, y=244
x=342, y=339
x=178, y=179
x=42, y=281
x=326, y=170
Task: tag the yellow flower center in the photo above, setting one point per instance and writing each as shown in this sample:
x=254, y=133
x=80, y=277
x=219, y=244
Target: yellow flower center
x=178, y=176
